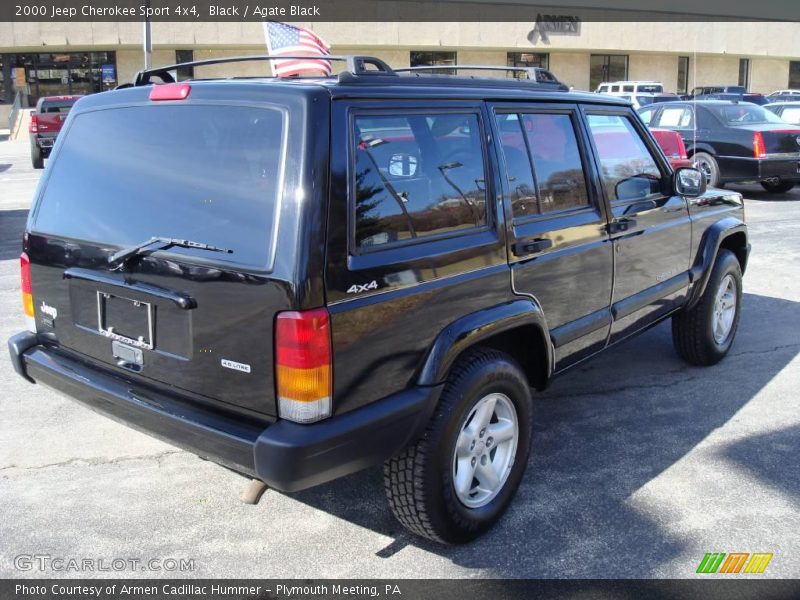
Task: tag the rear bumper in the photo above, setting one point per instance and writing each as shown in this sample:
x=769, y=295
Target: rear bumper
x=742, y=169
x=286, y=456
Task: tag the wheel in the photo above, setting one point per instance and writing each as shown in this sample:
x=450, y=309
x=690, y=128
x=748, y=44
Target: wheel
x=708, y=166
x=778, y=186
x=37, y=159
x=703, y=335
x=455, y=481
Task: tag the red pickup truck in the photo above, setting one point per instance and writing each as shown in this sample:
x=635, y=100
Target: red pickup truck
x=46, y=121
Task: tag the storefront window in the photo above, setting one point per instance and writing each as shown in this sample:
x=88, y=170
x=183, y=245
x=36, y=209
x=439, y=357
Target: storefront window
x=794, y=74
x=420, y=59
x=527, y=59
x=683, y=75
x=607, y=67
x=744, y=72
x=62, y=74
x=184, y=56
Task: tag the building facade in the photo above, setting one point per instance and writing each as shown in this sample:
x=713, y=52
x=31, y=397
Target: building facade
x=64, y=58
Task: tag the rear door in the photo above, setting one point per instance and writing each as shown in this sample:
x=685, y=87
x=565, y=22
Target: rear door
x=650, y=227
x=201, y=170
x=559, y=248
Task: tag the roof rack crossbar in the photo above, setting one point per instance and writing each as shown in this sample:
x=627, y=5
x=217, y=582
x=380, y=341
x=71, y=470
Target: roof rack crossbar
x=356, y=65
x=529, y=71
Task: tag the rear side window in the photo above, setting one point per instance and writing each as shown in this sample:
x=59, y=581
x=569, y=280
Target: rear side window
x=416, y=176
x=628, y=169
x=647, y=115
x=791, y=115
x=203, y=173
x=543, y=163
x=676, y=116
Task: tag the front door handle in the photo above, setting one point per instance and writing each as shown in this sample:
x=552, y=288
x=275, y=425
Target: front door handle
x=531, y=246
x=621, y=225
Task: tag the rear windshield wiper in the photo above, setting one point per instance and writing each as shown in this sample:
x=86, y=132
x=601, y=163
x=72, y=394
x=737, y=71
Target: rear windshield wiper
x=159, y=243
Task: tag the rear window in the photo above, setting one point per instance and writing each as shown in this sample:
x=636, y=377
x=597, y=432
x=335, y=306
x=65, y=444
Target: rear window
x=203, y=173
x=60, y=107
x=650, y=88
x=738, y=114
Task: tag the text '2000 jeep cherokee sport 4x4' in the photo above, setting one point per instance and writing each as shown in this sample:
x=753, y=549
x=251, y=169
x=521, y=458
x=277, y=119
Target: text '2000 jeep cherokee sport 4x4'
x=300, y=278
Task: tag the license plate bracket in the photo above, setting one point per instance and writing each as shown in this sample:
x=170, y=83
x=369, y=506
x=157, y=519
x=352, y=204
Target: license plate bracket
x=125, y=320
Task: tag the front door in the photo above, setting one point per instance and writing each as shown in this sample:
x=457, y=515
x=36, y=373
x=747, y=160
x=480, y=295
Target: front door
x=559, y=249
x=649, y=226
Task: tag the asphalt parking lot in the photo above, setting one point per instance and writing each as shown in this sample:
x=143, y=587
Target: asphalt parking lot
x=640, y=464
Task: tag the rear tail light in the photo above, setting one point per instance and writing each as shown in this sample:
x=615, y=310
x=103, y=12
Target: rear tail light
x=34, y=126
x=303, y=369
x=681, y=147
x=27, y=293
x=759, y=150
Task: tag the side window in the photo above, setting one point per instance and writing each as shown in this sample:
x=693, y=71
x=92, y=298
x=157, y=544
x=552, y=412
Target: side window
x=556, y=158
x=416, y=175
x=627, y=88
x=647, y=115
x=629, y=171
x=614, y=88
x=676, y=116
x=543, y=163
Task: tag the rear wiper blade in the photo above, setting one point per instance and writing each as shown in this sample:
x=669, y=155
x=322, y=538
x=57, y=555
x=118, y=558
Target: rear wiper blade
x=159, y=243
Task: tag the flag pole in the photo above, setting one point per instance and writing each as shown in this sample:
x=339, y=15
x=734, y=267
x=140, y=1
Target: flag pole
x=147, y=38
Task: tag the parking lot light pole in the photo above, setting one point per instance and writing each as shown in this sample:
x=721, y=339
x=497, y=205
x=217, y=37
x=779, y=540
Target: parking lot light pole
x=147, y=38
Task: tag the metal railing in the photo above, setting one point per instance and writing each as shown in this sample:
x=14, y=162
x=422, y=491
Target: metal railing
x=15, y=108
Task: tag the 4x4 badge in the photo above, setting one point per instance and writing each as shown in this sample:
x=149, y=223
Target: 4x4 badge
x=357, y=288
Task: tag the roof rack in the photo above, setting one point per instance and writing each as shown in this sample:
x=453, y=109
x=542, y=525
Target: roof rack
x=356, y=65
x=529, y=71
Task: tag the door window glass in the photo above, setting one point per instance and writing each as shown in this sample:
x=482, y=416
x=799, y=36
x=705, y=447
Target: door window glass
x=677, y=116
x=518, y=166
x=628, y=169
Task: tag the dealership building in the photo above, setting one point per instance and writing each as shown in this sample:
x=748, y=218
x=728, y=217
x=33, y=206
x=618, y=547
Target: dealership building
x=77, y=57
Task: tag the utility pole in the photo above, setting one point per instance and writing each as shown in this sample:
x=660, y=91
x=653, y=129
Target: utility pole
x=148, y=38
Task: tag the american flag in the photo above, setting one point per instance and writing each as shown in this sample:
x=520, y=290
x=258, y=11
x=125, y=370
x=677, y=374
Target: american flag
x=283, y=39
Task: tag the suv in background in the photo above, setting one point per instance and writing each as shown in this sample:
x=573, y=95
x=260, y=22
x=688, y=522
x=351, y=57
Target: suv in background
x=299, y=278
x=630, y=87
x=46, y=121
x=705, y=90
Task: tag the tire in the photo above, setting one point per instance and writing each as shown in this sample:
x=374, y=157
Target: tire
x=778, y=187
x=37, y=159
x=420, y=482
x=708, y=166
x=694, y=331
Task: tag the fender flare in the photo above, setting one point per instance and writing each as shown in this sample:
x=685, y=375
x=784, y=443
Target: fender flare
x=707, y=254
x=475, y=327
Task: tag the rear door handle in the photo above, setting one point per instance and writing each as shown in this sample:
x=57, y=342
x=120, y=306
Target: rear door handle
x=531, y=246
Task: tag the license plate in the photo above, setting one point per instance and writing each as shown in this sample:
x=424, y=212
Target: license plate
x=125, y=320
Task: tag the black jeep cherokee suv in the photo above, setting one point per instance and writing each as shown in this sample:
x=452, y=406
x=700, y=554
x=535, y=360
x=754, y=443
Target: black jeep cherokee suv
x=300, y=278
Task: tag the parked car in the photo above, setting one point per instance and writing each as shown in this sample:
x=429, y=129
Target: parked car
x=672, y=145
x=630, y=87
x=785, y=93
x=46, y=121
x=359, y=306
x=759, y=99
x=788, y=111
x=640, y=100
x=734, y=142
x=705, y=90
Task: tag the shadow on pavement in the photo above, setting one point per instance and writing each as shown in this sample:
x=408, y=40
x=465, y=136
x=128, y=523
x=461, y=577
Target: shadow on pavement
x=601, y=433
x=756, y=193
x=772, y=457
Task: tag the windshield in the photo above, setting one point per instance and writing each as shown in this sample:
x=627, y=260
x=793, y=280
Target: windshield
x=645, y=100
x=737, y=114
x=194, y=172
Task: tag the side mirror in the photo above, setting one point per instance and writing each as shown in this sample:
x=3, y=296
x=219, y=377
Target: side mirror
x=689, y=182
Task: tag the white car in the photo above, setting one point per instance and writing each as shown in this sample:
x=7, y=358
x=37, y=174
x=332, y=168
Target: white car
x=619, y=88
x=788, y=111
x=786, y=93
